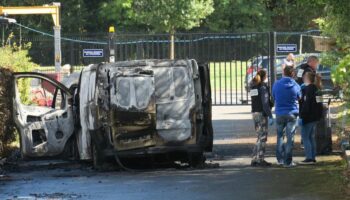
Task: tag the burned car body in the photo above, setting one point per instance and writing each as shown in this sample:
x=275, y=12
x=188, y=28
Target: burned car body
x=45, y=124
x=146, y=107
x=141, y=107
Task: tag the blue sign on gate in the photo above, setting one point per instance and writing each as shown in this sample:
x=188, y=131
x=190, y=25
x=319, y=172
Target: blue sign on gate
x=94, y=53
x=286, y=48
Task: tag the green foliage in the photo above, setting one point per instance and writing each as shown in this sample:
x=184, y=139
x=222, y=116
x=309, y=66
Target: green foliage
x=73, y=15
x=294, y=15
x=341, y=75
x=12, y=59
x=80, y=16
x=159, y=15
x=264, y=15
x=336, y=22
x=16, y=59
x=7, y=127
x=337, y=25
x=330, y=58
x=239, y=16
x=118, y=13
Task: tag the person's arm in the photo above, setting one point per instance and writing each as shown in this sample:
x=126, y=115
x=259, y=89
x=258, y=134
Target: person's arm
x=299, y=94
x=273, y=91
x=265, y=99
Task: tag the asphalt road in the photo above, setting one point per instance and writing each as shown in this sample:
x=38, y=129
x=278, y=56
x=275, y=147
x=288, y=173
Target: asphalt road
x=233, y=179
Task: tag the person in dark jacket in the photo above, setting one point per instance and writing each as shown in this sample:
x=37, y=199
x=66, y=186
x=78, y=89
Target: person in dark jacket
x=286, y=93
x=310, y=114
x=309, y=66
x=261, y=109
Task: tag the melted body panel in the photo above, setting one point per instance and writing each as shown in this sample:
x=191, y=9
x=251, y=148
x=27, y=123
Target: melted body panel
x=149, y=104
x=44, y=131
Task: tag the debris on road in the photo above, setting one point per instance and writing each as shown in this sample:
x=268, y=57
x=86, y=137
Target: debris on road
x=56, y=195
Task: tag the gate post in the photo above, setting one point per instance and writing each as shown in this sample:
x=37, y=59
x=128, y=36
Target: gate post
x=71, y=48
x=111, y=44
x=57, y=46
x=272, y=56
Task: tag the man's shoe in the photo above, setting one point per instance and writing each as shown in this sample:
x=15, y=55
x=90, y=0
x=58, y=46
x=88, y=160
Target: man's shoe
x=307, y=162
x=280, y=163
x=291, y=165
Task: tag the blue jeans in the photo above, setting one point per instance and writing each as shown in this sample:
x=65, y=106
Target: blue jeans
x=286, y=125
x=308, y=135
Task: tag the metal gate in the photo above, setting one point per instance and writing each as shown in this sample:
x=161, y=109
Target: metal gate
x=233, y=58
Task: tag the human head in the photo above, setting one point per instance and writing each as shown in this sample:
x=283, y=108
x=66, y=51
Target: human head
x=290, y=56
x=288, y=71
x=259, y=77
x=308, y=78
x=312, y=61
x=312, y=78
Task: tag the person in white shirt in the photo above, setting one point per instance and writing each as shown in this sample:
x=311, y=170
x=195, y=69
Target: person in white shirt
x=289, y=61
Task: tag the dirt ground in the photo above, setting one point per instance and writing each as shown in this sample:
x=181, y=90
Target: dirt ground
x=227, y=174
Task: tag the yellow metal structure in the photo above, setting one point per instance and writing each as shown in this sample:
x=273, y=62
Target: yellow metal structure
x=53, y=10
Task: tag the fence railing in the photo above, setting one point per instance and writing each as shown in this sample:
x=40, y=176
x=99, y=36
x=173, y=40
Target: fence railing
x=233, y=57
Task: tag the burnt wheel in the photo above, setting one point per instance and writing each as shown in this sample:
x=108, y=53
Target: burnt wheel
x=71, y=151
x=97, y=156
x=196, y=160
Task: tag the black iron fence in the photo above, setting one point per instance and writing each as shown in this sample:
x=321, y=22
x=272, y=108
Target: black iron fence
x=233, y=57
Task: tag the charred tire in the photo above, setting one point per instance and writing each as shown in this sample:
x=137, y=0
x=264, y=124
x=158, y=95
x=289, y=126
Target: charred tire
x=98, y=158
x=71, y=151
x=196, y=160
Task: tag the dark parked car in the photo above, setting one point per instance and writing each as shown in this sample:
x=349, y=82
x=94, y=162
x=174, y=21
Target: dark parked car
x=262, y=62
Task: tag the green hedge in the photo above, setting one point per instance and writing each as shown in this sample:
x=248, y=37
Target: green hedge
x=12, y=59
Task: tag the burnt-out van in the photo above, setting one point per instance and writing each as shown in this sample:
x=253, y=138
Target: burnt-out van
x=122, y=110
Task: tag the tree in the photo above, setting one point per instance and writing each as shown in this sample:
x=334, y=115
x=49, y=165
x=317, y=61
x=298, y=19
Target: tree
x=263, y=15
x=336, y=24
x=120, y=14
x=73, y=20
x=163, y=15
x=294, y=15
x=171, y=15
x=73, y=15
x=238, y=16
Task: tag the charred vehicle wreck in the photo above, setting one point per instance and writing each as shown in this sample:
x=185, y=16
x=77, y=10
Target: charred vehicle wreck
x=122, y=110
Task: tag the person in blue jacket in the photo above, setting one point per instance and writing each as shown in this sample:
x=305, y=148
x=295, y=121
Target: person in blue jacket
x=286, y=93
